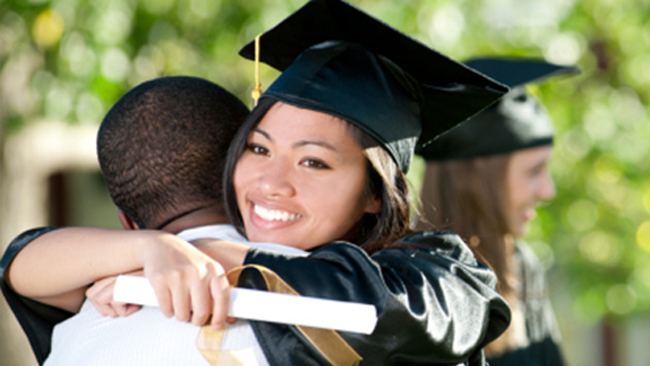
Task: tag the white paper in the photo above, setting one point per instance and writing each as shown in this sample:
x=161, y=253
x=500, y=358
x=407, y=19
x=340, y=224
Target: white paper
x=268, y=306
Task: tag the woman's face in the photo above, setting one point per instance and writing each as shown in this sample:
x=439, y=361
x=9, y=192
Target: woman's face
x=527, y=182
x=301, y=179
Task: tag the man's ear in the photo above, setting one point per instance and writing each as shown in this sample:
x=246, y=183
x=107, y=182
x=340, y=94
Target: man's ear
x=373, y=206
x=126, y=221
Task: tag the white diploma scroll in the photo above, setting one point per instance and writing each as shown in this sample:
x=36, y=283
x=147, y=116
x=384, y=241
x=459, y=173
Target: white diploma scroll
x=268, y=306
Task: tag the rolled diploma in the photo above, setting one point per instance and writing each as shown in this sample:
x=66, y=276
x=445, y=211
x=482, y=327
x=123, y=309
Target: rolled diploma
x=268, y=306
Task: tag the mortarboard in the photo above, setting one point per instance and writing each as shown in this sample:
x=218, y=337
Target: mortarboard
x=339, y=60
x=518, y=121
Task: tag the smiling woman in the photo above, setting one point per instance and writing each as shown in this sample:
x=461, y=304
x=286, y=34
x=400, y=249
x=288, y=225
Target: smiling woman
x=301, y=179
x=319, y=165
x=527, y=182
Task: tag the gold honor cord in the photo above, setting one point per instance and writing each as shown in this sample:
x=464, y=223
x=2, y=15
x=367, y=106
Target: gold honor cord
x=327, y=341
x=257, y=92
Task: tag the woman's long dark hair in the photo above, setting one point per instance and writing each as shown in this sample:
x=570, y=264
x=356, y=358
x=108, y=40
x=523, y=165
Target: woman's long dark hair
x=383, y=180
x=469, y=198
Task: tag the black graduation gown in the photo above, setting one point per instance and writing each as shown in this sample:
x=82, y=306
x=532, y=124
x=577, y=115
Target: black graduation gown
x=36, y=319
x=436, y=304
x=541, y=327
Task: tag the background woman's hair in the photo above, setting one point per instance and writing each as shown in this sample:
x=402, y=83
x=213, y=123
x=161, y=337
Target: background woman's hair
x=384, y=180
x=469, y=198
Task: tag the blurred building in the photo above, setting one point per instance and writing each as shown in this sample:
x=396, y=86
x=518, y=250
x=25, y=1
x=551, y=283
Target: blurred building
x=50, y=176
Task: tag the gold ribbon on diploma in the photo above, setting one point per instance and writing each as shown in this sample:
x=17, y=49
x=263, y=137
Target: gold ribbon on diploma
x=327, y=341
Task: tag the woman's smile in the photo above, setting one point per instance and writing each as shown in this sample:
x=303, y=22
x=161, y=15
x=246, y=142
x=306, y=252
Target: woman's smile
x=274, y=215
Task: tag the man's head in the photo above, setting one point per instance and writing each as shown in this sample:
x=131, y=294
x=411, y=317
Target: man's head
x=162, y=147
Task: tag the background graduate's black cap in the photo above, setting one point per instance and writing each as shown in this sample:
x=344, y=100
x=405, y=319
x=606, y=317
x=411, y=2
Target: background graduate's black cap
x=517, y=121
x=339, y=60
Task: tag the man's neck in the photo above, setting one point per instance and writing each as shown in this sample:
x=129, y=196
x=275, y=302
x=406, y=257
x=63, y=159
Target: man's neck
x=209, y=215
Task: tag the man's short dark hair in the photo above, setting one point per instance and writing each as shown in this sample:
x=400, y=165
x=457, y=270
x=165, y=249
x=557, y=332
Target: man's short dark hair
x=162, y=147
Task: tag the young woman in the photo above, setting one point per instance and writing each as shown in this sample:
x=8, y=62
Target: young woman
x=483, y=181
x=322, y=159
x=301, y=174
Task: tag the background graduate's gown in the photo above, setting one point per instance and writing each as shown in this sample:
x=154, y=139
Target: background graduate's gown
x=541, y=326
x=436, y=304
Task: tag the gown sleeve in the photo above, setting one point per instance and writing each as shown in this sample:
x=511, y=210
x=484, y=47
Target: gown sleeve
x=36, y=319
x=436, y=304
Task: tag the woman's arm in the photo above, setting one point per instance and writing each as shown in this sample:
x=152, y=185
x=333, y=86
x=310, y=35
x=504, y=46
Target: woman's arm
x=58, y=266
x=228, y=254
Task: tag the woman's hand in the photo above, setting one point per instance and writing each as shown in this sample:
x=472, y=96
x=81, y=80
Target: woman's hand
x=100, y=295
x=189, y=285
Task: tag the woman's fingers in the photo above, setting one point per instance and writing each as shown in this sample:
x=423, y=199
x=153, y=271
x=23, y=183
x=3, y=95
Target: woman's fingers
x=164, y=297
x=100, y=295
x=220, y=290
x=181, y=301
x=123, y=309
x=131, y=308
x=93, y=292
x=201, y=303
x=189, y=284
x=209, y=295
x=185, y=299
x=104, y=307
x=97, y=295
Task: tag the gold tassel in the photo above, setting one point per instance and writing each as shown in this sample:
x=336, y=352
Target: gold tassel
x=257, y=92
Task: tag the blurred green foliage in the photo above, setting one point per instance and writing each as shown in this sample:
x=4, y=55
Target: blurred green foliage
x=70, y=60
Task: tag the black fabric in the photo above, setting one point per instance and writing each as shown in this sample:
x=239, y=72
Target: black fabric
x=543, y=353
x=345, y=80
x=515, y=72
x=541, y=327
x=436, y=304
x=36, y=319
x=397, y=89
x=285, y=345
x=516, y=122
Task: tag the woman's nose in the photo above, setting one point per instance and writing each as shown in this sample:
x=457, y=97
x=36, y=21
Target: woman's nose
x=547, y=188
x=275, y=180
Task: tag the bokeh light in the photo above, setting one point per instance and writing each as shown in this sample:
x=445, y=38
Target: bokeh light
x=48, y=28
x=643, y=236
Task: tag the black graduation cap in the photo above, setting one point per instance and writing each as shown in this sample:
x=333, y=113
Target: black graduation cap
x=339, y=60
x=518, y=121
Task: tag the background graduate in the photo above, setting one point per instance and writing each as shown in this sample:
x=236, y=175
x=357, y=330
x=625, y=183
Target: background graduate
x=483, y=180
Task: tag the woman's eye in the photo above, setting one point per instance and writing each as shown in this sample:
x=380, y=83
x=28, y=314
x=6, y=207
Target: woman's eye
x=537, y=171
x=257, y=149
x=316, y=164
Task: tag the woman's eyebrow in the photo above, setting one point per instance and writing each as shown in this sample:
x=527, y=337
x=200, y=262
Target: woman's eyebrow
x=301, y=143
x=541, y=163
x=320, y=143
x=263, y=133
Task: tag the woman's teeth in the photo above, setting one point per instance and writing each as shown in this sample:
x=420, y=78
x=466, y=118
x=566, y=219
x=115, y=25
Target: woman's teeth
x=274, y=215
